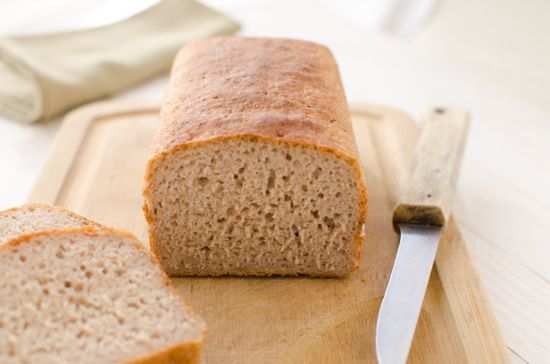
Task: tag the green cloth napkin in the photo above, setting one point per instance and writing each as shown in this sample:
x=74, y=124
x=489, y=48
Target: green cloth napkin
x=44, y=75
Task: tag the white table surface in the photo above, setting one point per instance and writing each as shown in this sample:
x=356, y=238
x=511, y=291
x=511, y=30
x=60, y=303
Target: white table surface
x=491, y=57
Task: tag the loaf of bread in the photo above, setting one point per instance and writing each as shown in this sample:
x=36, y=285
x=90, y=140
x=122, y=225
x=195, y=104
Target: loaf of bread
x=73, y=291
x=255, y=168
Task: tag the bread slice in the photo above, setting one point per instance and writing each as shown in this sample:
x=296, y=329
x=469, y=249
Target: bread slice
x=255, y=169
x=37, y=217
x=90, y=295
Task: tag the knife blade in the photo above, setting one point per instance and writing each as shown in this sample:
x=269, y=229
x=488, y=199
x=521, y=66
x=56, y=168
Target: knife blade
x=420, y=217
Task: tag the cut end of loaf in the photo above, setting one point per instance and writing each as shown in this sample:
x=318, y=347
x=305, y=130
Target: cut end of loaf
x=250, y=206
x=88, y=296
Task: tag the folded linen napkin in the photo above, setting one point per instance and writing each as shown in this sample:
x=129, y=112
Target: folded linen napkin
x=43, y=75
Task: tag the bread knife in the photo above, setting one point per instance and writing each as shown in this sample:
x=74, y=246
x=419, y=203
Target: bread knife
x=420, y=217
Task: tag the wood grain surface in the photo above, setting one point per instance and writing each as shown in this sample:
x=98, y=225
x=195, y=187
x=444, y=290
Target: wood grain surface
x=428, y=198
x=96, y=168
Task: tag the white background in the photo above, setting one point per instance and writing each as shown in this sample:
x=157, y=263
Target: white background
x=491, y=57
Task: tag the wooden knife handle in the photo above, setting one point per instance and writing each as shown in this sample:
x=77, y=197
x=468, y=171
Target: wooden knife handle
x=429, y=193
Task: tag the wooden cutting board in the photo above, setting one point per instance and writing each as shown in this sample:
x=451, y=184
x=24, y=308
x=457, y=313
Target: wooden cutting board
x=96, y=169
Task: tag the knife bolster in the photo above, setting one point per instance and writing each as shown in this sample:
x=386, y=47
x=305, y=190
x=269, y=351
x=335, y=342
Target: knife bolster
x=417, y=214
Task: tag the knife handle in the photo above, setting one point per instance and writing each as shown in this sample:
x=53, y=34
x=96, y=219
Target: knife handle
x=428, y=197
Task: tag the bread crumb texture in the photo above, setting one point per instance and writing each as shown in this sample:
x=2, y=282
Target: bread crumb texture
x=86, y=296
x=251, y=207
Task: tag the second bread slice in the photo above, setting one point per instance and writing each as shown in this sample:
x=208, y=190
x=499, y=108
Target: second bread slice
x=35, y=217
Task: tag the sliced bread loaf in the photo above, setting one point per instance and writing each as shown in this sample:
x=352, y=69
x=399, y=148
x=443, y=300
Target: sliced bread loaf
x=90, y=295
x=255, y=169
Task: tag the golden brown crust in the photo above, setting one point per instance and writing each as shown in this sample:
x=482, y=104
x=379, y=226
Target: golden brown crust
x=277, y=90
x=184, y=352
